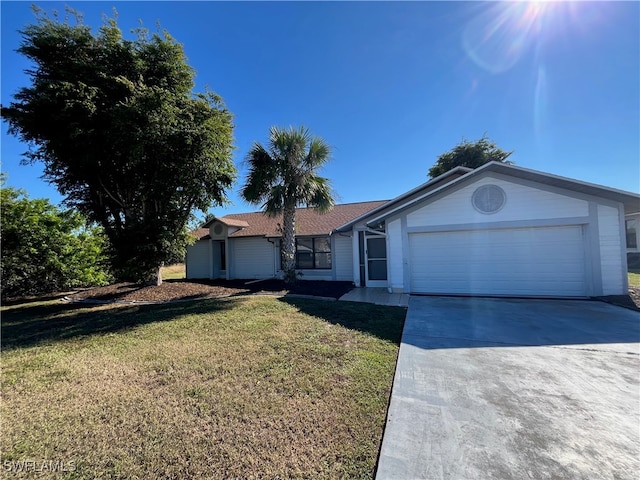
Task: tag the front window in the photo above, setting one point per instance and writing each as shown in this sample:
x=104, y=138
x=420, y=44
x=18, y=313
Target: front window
x=632, y=237
x=313, y=253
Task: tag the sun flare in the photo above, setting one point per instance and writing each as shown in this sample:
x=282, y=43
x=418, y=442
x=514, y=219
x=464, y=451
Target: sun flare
x=498, y=37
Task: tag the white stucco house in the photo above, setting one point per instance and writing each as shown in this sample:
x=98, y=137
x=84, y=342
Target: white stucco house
x=496, y=230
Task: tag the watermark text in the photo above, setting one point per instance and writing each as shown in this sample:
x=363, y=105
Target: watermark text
x=39, y=465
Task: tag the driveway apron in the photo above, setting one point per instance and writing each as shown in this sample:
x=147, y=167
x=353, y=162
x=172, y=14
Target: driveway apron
x=511, y=388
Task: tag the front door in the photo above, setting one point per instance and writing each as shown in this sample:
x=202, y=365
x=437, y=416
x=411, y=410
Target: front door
x=376, y=260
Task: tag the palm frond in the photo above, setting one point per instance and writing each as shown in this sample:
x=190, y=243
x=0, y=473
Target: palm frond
x=319, y=194
x=263, y=172
x=275, y=201
x=285, y=171
x=318, y=154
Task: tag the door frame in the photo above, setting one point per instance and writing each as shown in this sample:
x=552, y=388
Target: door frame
x=368, y=282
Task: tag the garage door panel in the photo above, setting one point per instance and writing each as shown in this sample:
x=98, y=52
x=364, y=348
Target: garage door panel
x=524, y=261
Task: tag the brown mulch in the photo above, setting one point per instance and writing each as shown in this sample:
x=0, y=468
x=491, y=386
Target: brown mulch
x=631, y=301
x=173, y=290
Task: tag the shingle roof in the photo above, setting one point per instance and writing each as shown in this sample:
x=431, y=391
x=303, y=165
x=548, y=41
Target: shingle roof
x=233, y=222
x=201, y=233
x=308, y=220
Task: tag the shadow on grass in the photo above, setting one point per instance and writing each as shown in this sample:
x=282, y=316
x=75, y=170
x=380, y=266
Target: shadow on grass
x=26, y=300
x=317, y=288
x=385, y=323
x=29, y=325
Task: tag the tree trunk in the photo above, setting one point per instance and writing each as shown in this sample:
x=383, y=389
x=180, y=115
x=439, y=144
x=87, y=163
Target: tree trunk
x=158, y=280
x=289, y=243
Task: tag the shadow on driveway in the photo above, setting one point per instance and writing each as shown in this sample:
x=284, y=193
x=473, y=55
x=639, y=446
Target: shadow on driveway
x=454, y=322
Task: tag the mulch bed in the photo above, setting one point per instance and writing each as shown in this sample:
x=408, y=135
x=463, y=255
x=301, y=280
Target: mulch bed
x=172, y=290
x=631, y=301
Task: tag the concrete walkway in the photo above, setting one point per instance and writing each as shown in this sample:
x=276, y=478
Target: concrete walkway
x=377, y=296
x=505, y=388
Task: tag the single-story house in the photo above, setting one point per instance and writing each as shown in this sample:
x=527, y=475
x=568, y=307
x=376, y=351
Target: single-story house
x=495, y=230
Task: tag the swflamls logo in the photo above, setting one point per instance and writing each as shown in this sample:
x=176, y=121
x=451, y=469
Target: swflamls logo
x=38, y=466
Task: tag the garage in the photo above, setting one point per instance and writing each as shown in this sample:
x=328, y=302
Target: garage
x=500, y=230
x=535, y=261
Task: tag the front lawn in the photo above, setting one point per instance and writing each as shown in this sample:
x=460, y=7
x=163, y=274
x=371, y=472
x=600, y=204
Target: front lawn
x=177, y=271
x=634, y=279
x=250, y=387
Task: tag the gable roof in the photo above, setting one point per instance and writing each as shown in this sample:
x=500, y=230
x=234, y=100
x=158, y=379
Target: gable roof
x=201, y=233
x=229, y=222
x=308, y=220
x=631, y=201
x=417, y=192
x=343, y=217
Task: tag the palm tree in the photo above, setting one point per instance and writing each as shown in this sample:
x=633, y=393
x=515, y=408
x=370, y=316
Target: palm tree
x=283, y=176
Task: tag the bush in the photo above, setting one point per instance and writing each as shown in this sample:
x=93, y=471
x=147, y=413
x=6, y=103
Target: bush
x=45, y=249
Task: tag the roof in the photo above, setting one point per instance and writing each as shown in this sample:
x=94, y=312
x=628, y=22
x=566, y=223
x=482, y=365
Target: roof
x=631, y=201
x=201, y=233
x=308, y=220
x=343, y=217
x=417, y=192
x=229, y=222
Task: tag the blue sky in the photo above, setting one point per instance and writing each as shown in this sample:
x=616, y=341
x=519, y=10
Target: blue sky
x=392, y=85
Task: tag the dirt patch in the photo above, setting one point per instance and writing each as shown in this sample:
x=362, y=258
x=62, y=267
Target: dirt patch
x=172, y=290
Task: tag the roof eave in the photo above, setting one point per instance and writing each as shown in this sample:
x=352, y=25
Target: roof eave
x=631, y=201
x=456, y=170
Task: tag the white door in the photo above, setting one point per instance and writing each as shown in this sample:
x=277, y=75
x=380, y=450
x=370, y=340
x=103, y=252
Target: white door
x=547, y=261
x=376, y=260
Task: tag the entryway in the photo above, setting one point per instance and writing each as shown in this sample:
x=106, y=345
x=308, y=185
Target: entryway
x=374, y=258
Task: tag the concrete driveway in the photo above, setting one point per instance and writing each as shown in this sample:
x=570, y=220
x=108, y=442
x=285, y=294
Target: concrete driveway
x=510, y=388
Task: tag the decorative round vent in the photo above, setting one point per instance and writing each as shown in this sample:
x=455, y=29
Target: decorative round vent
x=488, y=199
x=217, y=229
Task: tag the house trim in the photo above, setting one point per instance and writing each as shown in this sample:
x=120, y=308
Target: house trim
x=544, y=222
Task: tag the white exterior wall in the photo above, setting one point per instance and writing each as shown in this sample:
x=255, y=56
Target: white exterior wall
x=523, y=203
x=611, y=252
x=395, y=255
x=343, y=257
x=198, y=260
x=251, y=258
x=526, y=207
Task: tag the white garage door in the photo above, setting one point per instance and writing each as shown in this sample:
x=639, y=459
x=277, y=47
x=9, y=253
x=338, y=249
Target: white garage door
x=546, y=261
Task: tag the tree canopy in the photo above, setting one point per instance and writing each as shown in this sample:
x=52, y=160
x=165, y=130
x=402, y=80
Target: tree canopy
x=122, y=136
x=284, y=175
x=45, y=249
x=469, y=154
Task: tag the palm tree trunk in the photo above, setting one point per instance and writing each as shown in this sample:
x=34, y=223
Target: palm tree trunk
x=289, y=243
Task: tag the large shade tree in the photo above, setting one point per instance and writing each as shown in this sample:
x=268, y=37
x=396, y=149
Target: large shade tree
x=469, y=154
x=284, y=175
x=122, y=136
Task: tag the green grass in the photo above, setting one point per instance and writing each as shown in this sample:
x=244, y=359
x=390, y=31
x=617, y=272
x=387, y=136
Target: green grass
x=174, y=272
x=634, y=279
x=253, y=387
